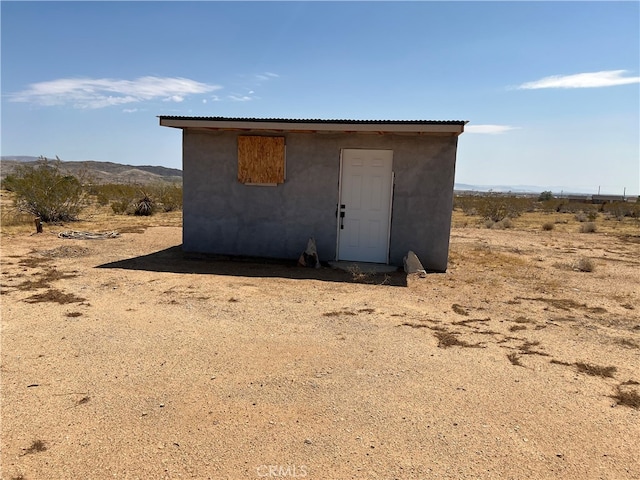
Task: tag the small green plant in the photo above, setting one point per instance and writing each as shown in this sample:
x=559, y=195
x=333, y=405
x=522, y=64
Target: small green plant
x=45, y=191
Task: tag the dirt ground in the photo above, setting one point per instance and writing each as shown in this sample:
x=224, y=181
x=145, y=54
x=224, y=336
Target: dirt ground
x=123, y=358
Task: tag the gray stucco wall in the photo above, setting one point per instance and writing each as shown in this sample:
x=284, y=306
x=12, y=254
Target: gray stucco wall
x=224, y=216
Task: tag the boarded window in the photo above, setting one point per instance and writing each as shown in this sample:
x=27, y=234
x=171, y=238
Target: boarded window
x=261, y=160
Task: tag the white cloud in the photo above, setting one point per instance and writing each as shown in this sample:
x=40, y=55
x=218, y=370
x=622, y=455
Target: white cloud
x=238, y=98
x=489, y=129
x=174, y=98
x=266, y=76
x=105, y=92
x=130, y=110
x=606, y=78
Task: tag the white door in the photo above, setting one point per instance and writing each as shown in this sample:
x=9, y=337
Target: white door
x=364, y=216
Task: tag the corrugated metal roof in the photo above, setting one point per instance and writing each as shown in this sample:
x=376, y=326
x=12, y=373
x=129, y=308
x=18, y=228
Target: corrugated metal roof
x=416, y=127
x=320, y=121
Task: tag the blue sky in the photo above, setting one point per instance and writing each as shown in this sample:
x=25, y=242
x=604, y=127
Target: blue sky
x=551, y=89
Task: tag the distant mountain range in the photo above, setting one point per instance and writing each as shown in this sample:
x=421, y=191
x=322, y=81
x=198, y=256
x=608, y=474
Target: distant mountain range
x=109, y=172
x=101, y=172
x=533, y=189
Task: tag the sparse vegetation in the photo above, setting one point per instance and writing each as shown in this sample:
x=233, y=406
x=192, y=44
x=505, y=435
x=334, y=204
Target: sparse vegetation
x=494, y=207
x=459, y=309
x=545, y=196
x=44, y=191
x=627, y=397
x=36, y=446
x=596, y=370
x=54, y=295
x=447, y=339
x=584, y=264
x=144, y=200
x=548, y=226
x=358, y=276
x=588, y=227
x=514, y=358
x=145, y=206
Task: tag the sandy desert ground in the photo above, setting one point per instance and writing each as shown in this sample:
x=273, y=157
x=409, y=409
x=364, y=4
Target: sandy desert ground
x=122, y=358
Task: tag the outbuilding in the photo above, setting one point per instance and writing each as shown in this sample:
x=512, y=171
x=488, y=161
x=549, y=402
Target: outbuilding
x=366, y=190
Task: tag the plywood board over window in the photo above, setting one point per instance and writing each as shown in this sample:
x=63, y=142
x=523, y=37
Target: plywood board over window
x=261, y=160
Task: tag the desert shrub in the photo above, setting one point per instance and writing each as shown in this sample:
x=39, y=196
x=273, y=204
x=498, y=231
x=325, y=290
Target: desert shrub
x=588, y=227
x=168, y=196
x=11, y=217
x=619, y=210
x=499, y=207
x=502, y=224
x=125, y=198
x=548, y=226
x=507, y=223
x=581, y=217
x=109, y=192
x=576, y=207
x=145, y=206
x=46, y=192
x=494, y=207
x=121, y=207
x=544, y=196
x=465, y=203
x=584, y=264
x=551, y=205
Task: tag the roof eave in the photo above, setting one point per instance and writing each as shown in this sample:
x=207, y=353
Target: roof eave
x=377, y=127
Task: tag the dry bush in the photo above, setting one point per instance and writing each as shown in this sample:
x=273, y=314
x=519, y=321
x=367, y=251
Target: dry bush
x=10, y=217
x=576, y=207
x=448, y=339
x=552, y=205
x=514, y=358
x=139, y=200
x=628, y=398
x=55, y=296
x=122, y=207
x=548, y=226
x=588, y=227
x=494, y=207
x=502, y=224
x=619, y=210
x=584, y=264
x=595, y=370
x=358, y=276
x=167, y=196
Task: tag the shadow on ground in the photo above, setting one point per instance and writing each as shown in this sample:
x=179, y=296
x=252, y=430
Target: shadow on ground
x=174, y=260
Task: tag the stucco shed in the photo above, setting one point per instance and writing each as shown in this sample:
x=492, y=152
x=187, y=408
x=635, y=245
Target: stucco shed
x=366, y=190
